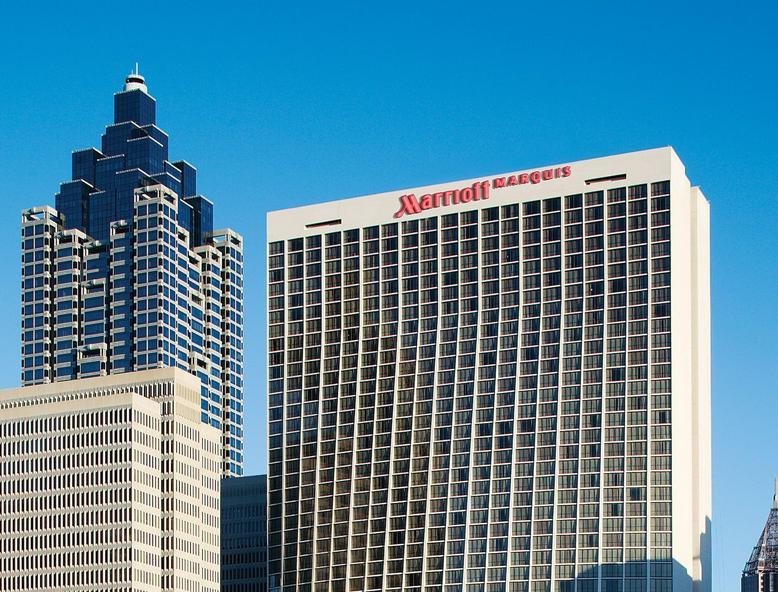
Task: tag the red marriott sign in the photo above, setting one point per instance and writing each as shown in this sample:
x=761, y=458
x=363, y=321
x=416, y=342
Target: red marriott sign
x=410, y=204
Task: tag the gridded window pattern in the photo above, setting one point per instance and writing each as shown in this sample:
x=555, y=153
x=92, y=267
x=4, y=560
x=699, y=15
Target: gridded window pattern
x=101, y=489
x=40, y=227
x=475, y=401
x=229, y=245
x=79, y=501
x=141, y=299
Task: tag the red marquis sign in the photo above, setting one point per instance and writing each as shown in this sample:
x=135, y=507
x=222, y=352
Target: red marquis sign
x=410, y=204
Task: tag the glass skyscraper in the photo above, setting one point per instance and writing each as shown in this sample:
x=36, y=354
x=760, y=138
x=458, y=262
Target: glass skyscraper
x=493, y=385
x=127, y=273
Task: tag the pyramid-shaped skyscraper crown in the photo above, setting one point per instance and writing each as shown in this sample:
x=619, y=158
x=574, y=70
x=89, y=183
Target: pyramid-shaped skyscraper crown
x=764, y=557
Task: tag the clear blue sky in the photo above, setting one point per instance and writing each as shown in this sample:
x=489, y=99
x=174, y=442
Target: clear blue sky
x=280, y=104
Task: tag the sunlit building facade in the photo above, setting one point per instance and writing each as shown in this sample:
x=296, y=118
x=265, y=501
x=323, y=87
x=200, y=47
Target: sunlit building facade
x=109, y=483
x=493, y=385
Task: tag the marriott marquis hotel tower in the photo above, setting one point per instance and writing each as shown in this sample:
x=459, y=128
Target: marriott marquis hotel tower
x=499, y=384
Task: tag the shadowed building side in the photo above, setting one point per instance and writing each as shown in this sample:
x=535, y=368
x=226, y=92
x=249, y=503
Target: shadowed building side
x=244, y=534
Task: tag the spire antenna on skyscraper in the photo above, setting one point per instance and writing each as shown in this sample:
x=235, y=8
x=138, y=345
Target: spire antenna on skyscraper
x=775, y=494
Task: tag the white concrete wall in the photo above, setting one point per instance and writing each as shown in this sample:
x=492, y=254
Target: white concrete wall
x=701, y=335
x=690, y=253
x=640, y=167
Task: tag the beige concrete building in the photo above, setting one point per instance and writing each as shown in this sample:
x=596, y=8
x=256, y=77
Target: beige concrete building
x=109, y=483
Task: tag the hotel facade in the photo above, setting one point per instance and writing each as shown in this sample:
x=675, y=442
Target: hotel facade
x=498, y=384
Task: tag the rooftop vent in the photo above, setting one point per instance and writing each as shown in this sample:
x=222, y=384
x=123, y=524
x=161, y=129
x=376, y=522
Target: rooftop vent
x=619, y=177
x=325, y=223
